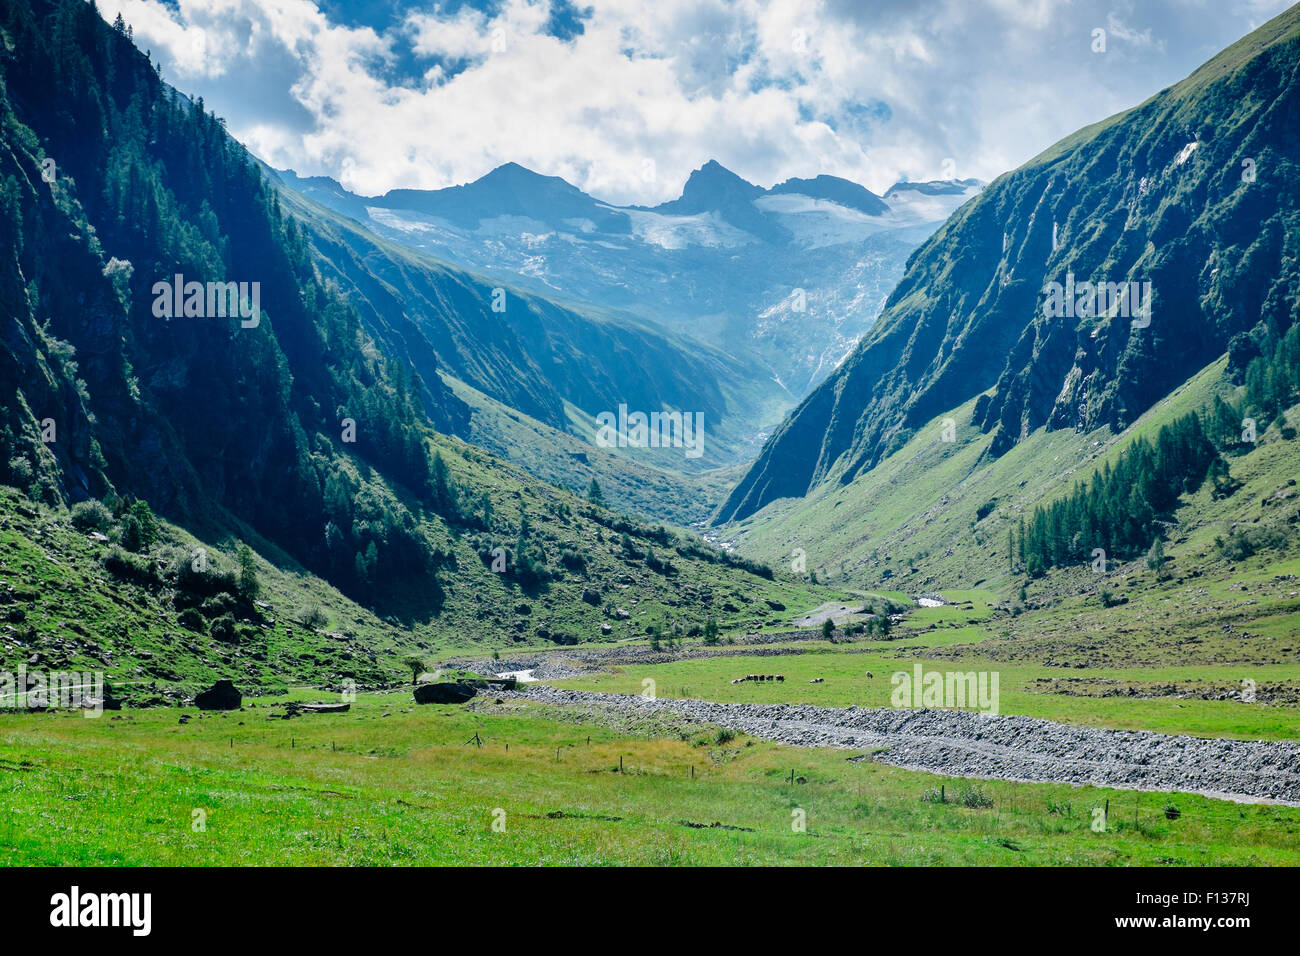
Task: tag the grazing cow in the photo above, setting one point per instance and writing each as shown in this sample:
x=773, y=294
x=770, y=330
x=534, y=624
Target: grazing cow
x=817, y=680
x=871, y=675
x=780, y=678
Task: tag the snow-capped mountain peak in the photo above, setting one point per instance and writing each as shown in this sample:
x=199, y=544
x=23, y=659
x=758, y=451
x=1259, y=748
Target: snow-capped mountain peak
x=794, y=273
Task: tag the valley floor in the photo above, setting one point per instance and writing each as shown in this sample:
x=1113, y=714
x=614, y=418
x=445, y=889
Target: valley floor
x=1149, y=757
x=392, y=783
x=556, y=776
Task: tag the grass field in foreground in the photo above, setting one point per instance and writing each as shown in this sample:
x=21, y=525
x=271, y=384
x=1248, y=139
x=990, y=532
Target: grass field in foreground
x=393, y=783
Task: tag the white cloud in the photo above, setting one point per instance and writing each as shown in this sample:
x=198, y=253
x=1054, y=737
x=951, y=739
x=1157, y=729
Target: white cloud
x=771, y=89
x=1139, y=38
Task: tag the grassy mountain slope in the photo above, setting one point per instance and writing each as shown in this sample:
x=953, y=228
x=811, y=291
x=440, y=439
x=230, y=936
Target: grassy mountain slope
x=113, y=185
x=921, y=517
x=67, y=605
x=571, y=459
x=935, y=517
x=1164, y=194
x=569, y=573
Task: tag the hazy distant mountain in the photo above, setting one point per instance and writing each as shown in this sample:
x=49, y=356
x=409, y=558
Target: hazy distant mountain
x=533, y=355
x=713, y=190
x=784, y=279
x=839, y=191
x=508, y=191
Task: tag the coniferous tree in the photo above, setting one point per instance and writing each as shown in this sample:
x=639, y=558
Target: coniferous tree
x=248, y=584
x=1119, y=508
x=1156, y=558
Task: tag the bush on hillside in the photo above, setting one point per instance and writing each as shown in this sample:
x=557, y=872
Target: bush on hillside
x=192, y=620
x=223, y=629
x=136, y=568
x=92, y=515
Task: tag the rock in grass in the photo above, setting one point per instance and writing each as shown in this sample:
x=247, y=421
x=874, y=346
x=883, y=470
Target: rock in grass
x=444, y=693
x=295, y=708
x=222, y=695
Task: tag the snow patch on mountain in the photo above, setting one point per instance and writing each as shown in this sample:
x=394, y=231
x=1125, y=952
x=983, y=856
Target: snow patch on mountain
x=914, y=206
x=705, y=229
x=816, y=223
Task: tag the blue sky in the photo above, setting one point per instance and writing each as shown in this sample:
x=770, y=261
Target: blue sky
x=624, y=99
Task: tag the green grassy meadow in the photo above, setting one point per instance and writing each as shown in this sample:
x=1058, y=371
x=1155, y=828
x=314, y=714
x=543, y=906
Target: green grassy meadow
x=392, y=783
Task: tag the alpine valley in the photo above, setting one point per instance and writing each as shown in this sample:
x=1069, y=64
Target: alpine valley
x=256, y=428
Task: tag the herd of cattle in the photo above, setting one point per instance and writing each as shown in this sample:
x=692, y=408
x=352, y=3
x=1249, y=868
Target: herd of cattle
x=780, y=678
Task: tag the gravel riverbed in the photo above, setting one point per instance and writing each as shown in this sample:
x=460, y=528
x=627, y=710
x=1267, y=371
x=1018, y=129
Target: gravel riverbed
x=963, y=744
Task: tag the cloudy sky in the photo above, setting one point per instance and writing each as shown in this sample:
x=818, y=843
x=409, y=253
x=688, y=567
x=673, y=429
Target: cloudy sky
x=625, y=98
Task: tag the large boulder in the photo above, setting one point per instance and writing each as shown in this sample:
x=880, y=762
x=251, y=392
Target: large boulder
x=444, y=693
x=222, y=695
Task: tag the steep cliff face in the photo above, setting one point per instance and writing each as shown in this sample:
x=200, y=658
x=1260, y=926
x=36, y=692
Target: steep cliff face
x=50, y=268
x=1173, y=229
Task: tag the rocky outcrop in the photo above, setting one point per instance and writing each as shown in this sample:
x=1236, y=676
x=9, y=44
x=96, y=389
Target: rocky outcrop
x=223, y=695
x=444, y=693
